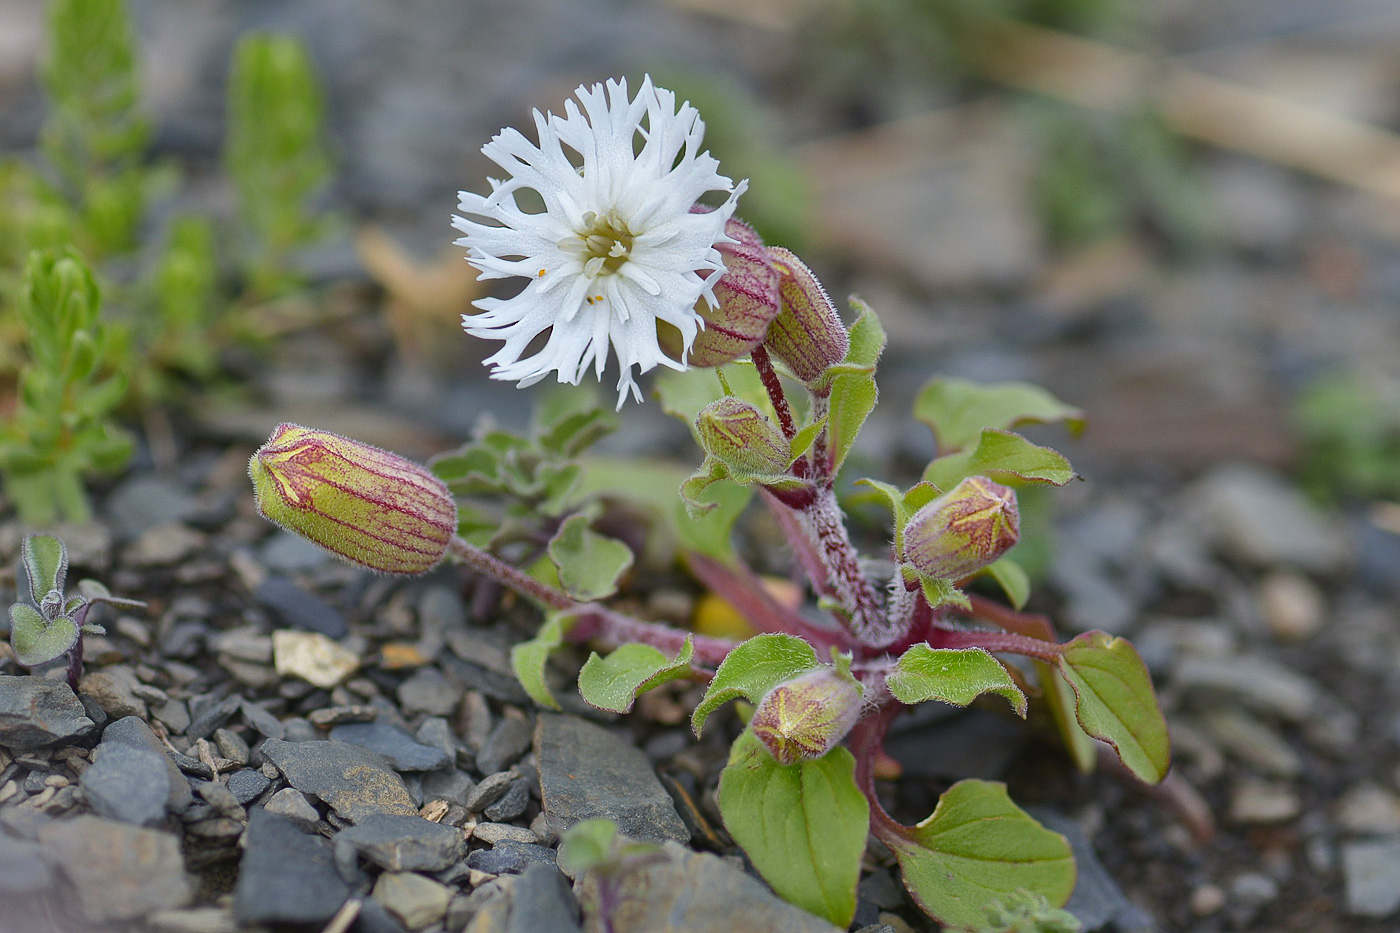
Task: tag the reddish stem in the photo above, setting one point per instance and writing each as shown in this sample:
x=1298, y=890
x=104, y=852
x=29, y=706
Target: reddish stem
x=741, y=588
x=866, y=742
x=995, y=642
x=804, y=548
x=1004, y=617
x=774, y=387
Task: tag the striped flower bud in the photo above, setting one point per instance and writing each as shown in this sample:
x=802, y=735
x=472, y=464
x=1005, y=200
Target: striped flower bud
x=747, y=296
x=739, y=436
x=963, y=530
x=807, y=334
x=366, y=505
x=807, y=716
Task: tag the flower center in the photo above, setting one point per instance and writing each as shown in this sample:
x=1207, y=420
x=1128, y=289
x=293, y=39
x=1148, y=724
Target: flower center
x=607, y=243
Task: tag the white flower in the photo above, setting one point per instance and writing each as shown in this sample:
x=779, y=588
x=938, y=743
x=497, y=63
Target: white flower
x=615, y=250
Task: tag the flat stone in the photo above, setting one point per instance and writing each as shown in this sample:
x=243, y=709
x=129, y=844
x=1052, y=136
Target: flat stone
x=404, y=843
x=293, y=805
x=685, y=892
x=35, y=712
x=1265, y=686
x=510, y=804
x=491, y=789
x=285, y=875
x=22, y=867
x=509, y=858
x=481, y=677
x=398, y=747
x=587, y=772
x=128, y=783
x=1097, y=900
x=1370, y=869
x=507, y=742
x=113, y=689
x=296, y=608
x=493, y=833
x=136, y=734
x=1245, y=738
x=353, y=781
x=193, y=920
x=232, y=746
x=149, y=875
x=427, y=691
x=313, y=657
x=1369, y=809
x=247, y=785
x=542, y=899
x=147, y=500
x=246, y=644
x=1259, y=519
x=261, y=720
x=1292, y=606
x=163, y=545
x=1260, y=802
x=292, y=552
x=212, y=716
x=418, y=901
x=452, y=785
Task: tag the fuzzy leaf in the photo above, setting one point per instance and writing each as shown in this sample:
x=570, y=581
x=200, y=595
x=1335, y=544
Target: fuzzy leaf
x=528, y=659
x=867, y=336
x=803, y=825
x=852, y=399
x=45, y=564
x=37, y=640
x=614, y=683
x=586, y=844
x=1012, y=578
x=1115, y=702
x=589, y=564
x=952, y=675
x=1059, y=696
x=979, y=847
x=1005, y=457
x=751, y=669
x=957, y=409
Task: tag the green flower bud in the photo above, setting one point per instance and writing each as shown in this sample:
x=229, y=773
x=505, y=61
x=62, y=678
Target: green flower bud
x=807, y=716
x=742, y=438
x=748, y=300
x=963, y=530
x=807, y=334
x=366, y=505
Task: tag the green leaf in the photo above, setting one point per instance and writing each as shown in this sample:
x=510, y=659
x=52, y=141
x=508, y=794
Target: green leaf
x=37, y=640
x=614, y=683
x=586, y=844
x=803, y=825
x=941, y=592
x=45, y=564
x=1013, y=579
x=957, y=409
x=852, y=399
x=589, y=564
x=1059, y=696
x=902, y=504
x=751, y=669
x=802, y=441
x=574, y=433
x=685, y=394
x=951, y=675
x=1115, y=702
x=1005, y=457
x=528, y=659
x=979, y=847
x=867, y=336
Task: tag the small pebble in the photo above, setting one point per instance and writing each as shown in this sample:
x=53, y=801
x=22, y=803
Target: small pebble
x=491, y=789
x=1292, y=606
x=1259, y=802
x=312, y=657
x=494, y=833
x=1207, y=899
x=292, y=804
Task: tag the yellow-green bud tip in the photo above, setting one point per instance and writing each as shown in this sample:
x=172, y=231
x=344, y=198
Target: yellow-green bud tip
x=807, y=716
x=963, y=530
x=363, y=504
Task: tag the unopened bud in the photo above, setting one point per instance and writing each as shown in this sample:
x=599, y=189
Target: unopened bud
x=807, y=334
x=807, y=716
x=366, y=505
x=747, y=296
x=739, y=436
x=963, y=530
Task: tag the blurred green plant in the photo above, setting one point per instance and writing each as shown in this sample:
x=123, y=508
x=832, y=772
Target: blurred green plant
x=183, y=301
x=1351, y=432
x=61, y=430
x=276, y=155
x=95, y=135
x=1102, y=174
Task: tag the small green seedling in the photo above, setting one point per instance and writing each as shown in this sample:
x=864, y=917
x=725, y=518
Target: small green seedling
x=52, y=624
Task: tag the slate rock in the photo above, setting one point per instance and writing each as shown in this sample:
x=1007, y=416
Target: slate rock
x=1097, y=900
x=404, y=843
x=510, y=804
x=354, y=781
x=400, y=749
x=35, y=713
x=543, y=899
x=1370, y=869
x=293, y=805
x=132, y=732
x=452, y=785
x=213, y=716
x=507, y=742
x=428, y=691
x=1261, y=520
x=491, y=789
x=22, y=867
x=687, y=892
x=149, y=875
x=145, y=501
x=295, y=607
x=128, y=783
x=418, y=901
x=261, y=720
x=509, y=858
x=496, y=684
x=587, y=772
x=113, y=689
x=285, y=875
x=247, y=785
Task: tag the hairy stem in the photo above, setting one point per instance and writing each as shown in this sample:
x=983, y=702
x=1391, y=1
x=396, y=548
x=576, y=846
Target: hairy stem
x=996, y=642
x=774, y=387
x=1004, y=617
x=738, y=586
x=848, y=584
x=492, y=566
x=866, y=741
